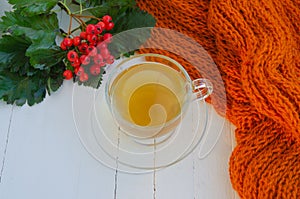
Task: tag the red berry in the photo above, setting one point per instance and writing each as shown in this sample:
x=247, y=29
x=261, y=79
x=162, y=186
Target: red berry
x=72, y=55
x=92, y=38
x=63, y=46
x=98, y=59
x=85, y=60
x=106, y=19
x=101, y=24
x=102, y=45
x=91, y=50
x=91, y=29
x=102, y=64
x=83, y=77
x=95, y=70
x=76, y=70
x=76, y=41
x=79, y=71
x=99, y=29
x=110, y=59
x=83, y=47
x=83, y=35
x=68, y=42
x=109, y=26
x=107, y=37
x=68, y=74
x=105, y=53
x=76, y=62
x=100, y=38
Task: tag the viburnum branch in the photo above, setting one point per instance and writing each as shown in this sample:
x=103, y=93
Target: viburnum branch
x=63, y=6
x=75, y=29
x=70, y=25
x=80, y=7
x=79, y=20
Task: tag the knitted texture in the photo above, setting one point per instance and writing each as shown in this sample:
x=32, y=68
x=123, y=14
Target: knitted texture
x=256, y=47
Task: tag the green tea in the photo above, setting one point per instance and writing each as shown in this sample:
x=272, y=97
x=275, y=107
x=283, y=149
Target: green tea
x=153, y=104
x=148, y=94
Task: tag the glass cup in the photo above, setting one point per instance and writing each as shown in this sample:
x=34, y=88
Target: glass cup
x=149, y=94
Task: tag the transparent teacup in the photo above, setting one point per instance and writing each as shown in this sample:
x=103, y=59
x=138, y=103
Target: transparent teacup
x=149, y=94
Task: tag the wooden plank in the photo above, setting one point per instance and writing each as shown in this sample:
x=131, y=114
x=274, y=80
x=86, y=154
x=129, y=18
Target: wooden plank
x=176, y=182
x=5, y=113
x=211, y=177
x=134, y=186
x=5, y=118
x=45, y=157
x=4, y=6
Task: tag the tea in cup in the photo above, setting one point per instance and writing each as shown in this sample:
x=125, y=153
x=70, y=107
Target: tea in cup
x=149, y=94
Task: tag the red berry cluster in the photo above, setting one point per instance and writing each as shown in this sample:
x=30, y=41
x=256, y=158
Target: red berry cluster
x=88, y=52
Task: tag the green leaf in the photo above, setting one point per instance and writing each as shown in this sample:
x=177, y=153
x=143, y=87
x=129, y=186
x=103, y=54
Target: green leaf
x=30, y=61
x=115, y=8
x=33, y=7
x=54, y=84
x=13, y=18
x=55, y=78
x=12, y=52
x=131, y=31
x=40, y=39
x=93, y=81
x=113, y=4
x=133, y=19
x=21, y=89
x=47, y=22
x=98, y=10
x=126, y=16
x=44, y=58
x=42, y=51
x=126, y=42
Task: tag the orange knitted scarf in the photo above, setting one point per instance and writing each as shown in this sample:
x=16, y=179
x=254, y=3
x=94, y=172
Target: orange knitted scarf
x=256, y=46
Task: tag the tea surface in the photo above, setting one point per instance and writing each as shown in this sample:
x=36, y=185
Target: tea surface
x=148, y=94
x=153, y=104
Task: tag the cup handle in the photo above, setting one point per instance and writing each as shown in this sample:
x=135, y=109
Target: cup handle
x=202, y=88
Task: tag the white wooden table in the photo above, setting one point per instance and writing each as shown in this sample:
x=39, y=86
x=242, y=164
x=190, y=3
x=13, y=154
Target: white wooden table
x=41, y=156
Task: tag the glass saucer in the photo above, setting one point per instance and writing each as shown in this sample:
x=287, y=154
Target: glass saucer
x=104, y=140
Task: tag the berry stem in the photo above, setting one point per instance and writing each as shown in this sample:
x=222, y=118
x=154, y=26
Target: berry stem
x=70, y=26
x=63, y=6
x=75, y=29
x=50, y=91
x=79, y=20
x=75, y=16
x=80, y=7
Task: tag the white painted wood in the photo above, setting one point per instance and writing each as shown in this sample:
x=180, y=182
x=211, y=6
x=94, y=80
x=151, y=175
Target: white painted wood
x=176, y=182
x=134, y=186
x=4, y=5
x=211, y=179
x=5, y=118
x=5, y=112
x=45, y=158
